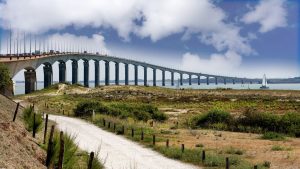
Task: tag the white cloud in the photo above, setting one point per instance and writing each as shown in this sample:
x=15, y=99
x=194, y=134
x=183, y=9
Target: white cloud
x=226, y=63
x=270, y=14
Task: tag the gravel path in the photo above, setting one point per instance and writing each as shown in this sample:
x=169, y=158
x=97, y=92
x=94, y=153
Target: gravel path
x=119, y=152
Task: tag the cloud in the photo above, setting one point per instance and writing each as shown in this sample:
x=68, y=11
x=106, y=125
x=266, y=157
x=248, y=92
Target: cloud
x=270, y=14
x=226, y=63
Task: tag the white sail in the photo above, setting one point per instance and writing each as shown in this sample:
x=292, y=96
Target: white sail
x=264, y=82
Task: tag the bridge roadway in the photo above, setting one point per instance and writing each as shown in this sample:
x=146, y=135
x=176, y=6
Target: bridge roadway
x=31, y=62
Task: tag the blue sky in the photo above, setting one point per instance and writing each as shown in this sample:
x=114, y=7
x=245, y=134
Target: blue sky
x=226, y=37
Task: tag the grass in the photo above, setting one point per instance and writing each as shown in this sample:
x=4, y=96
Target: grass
x=277, y=148
x=273, y=136
x=28, y=117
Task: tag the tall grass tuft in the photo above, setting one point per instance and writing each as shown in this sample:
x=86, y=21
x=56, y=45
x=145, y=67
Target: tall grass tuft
x=28, y=115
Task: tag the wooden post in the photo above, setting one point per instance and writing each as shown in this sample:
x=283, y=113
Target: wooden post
x=104, y=122
x=182, y=148
x=203, y=156
x=16, y=111
x=227, y=163
x=61, y=151
x=142, y=135
x=63, y=112
x=167, y=143
x=50, y=147
x=255, y=167
x=90, y=165
x=123, y=130
x=33, y=127
x=132, y=132
x=109, y=124
x=153, y=140
x=46, y=126
x=114, y=127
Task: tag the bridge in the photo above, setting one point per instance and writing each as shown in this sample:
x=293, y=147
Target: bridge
x=30, y=62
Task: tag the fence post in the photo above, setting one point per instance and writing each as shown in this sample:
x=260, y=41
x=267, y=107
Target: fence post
x=33, y=127
x=46, y=126
x=153, y=140
x=50, y=147
x=182, y=148
x=255, y=167
x=90, y=165
x=114, y=127
x=104, y=122
x=123, y=130
x=132, y=132
x=63, y=112
x=61, y=151
x=108, y=125
x=227, y=163
x=167, y=143
x=203, y=156
x=142, y=135
x=16, y=111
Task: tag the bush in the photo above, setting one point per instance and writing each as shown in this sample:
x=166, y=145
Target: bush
x=273, y=136
x=210, y=118
x=28, y=114
x=4, y=77
x=86, y=108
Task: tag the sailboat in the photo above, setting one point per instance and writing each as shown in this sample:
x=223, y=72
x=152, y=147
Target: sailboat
x=264, y=82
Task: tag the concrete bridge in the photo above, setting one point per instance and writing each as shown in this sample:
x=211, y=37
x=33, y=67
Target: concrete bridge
x=30, y=62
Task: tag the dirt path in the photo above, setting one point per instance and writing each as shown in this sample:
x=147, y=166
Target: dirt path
x=119, y=152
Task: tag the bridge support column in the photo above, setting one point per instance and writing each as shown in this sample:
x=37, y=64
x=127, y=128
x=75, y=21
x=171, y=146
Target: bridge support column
x=216, y=80
x=163, y=77
x=136, y=75
x=207, y=80
x=47, y=75
x=233, y=81
x=86, y=73
x=172, y=78
x=106, y=73
x=30, y=81
x=242, y=81
x=224, y=81
x=97, y=72
x=74, y=72
x=181, y=79
x=126, y=74
x=117, y=73
x=190, y=79
x=154, y=77
x=62, y=72
x=145, y=76
x=199, y=80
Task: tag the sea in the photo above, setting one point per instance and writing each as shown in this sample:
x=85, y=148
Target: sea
x=20, y=86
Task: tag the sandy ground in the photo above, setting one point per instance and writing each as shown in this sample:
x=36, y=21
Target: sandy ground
x=116, y=151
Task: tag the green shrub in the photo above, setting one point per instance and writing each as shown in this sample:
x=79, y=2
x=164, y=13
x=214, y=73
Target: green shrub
x=273, y=136
x=28, y=115
x=277, y=148
x=86, y=108
x=5, y=80
x=210, y=118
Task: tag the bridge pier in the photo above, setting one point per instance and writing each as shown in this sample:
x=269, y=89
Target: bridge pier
x=207, y=80
x=154, y=77
x=163, y=77
x=86, y=73
x=199, y=80
x=216, y=80
x=233, y=81
x=172, y=78
x=62, y=71
x=106, y=73
x=30, y=81
x=145, y=76
x=74, y=72
x=47, y=75
x=181, y=79
x=242, y=81
x=190, y=79
x=136, y=75
x=225, y=81
x=126, y=74
x=117, y=73
x=97, y=72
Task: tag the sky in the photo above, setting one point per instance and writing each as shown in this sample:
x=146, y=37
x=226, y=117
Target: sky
x=243, y=38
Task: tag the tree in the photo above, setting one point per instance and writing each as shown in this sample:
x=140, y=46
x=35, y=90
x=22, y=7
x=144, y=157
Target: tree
x=5, y=81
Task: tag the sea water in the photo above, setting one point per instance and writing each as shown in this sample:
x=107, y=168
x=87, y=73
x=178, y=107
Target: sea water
x=20, y=86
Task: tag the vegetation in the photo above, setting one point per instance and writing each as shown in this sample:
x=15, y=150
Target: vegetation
x=28, y=116
x=5, y=80
x=123, y=110
x=273, y=136
x=250, y=121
